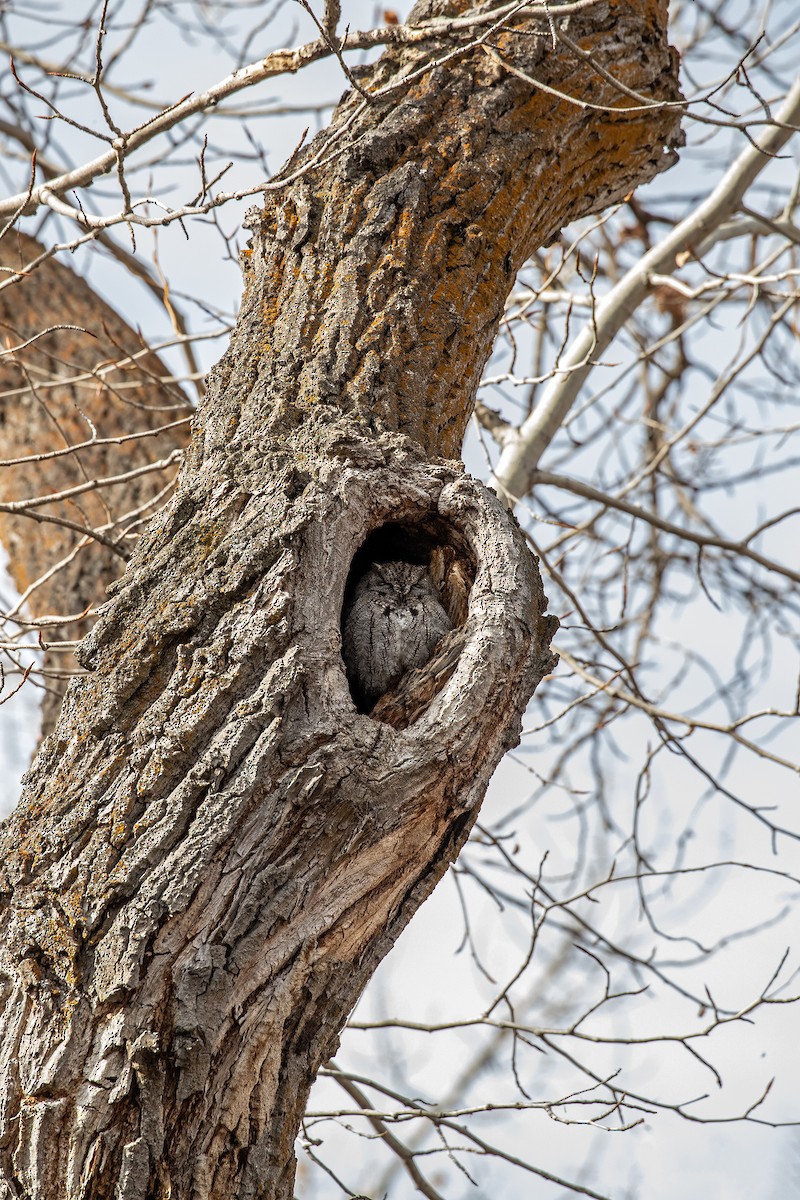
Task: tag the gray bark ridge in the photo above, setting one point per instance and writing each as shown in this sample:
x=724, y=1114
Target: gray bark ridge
x=173, y=956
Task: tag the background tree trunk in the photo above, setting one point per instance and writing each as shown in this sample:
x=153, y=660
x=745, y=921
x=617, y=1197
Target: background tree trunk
x=75, y=373
x=215, y=849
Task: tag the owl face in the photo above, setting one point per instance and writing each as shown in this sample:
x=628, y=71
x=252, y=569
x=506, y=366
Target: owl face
x=402, y=578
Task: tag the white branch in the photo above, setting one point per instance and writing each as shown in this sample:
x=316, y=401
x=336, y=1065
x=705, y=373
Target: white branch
x=520, y=457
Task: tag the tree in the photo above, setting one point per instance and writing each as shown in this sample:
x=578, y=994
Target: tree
x=216, y=848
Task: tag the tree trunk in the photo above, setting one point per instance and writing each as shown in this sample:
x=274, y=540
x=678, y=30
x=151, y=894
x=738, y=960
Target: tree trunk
x=216, y=848
x=74, y=373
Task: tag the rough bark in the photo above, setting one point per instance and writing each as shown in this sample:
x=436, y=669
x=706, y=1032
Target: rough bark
x=216, y=848
x=74, y=370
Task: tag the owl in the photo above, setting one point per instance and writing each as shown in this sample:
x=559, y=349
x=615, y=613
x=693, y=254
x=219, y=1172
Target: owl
x=391, y=625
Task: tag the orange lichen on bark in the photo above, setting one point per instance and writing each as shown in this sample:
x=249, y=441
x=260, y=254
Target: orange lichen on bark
x=397, y=257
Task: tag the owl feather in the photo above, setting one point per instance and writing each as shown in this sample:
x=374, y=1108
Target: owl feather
x=391, y=626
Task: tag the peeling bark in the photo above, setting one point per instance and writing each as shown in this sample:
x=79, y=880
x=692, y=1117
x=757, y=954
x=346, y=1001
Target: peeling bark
x=215, y=849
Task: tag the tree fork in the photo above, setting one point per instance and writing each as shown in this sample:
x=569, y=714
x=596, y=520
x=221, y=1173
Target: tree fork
x=215, y=849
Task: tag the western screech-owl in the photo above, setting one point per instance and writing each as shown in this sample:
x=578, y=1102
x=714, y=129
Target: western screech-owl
x=391, y=625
